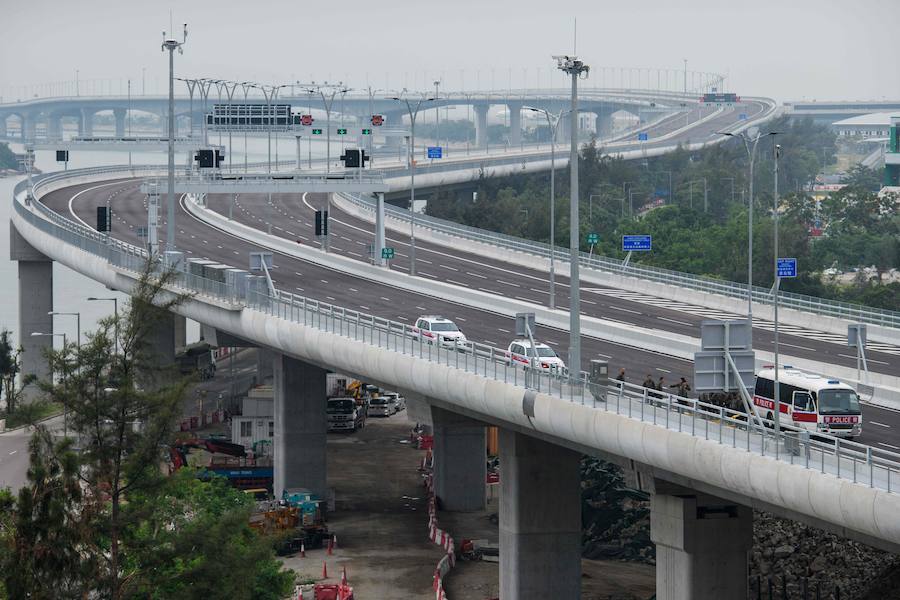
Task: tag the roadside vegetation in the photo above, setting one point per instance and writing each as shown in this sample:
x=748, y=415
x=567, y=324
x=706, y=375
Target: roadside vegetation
x=100, y=516
x=706, y=234
x=7, y=157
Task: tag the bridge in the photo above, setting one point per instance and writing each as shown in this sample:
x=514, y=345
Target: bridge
x=704, y=466
x=829, y=111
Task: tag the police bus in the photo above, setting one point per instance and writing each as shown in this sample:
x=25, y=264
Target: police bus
x=815, y=403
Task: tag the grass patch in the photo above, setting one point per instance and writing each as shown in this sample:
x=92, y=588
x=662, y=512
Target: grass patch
x=32, y=413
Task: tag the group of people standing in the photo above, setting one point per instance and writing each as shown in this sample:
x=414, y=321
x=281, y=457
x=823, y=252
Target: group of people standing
x=682, y=386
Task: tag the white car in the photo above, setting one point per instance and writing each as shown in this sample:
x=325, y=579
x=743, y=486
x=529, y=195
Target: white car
x=399, y=400
x=381, y=406
x=438, y=330
x=520, y=354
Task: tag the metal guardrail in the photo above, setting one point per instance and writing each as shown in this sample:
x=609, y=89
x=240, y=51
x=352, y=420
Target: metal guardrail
x=832, y=308
x=846, y=460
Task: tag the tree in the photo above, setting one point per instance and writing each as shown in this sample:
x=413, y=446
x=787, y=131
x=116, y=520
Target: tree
x=10, y=367
x=131, y=525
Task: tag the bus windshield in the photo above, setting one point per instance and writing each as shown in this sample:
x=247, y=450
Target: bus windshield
x=832, y=402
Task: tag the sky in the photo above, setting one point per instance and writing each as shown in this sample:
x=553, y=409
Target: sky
x=784, y=49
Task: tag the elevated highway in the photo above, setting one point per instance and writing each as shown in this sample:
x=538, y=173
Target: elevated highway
x=695, y=460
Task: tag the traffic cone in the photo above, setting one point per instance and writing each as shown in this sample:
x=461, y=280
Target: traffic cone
x=324, y=570
x=328, y=551
x=299, y=593
x=334, y=540
x=344, y=576
x=302, y=550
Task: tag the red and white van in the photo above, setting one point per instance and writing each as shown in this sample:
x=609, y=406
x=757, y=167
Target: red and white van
x=815, y=403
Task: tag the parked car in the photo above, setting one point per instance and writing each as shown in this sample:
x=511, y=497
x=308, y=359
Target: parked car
x=520, y=354
x=344, y=414
x=381, y=406
x=399, y=400
x=439, y=330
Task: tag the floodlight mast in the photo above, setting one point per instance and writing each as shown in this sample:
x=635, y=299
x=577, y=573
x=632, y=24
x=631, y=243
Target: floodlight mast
x=578, y=70
x=171, y=44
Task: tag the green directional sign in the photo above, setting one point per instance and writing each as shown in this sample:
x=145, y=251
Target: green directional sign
x=387, y=253
x=367, y=132
x=317, y=132
x=593, y=238
x=341, y=131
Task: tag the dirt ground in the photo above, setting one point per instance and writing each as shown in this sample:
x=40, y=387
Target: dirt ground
x=601, y=580
x=380, y=518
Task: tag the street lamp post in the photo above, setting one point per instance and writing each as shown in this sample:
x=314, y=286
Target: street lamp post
x=753, y=135
x=171, y=44
x=553, y=126
x=77, y=316
x=776, y=155
x=575, y=68
x=65, y=404
x=115, y=302
x=413, y=113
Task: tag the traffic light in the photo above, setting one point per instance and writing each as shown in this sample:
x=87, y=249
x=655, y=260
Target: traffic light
x=354, y=158
x=209, y=159
x=321, y=222
x=377, y=120
x=103, y=220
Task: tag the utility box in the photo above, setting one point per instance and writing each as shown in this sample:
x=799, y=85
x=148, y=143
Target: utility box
x=598, y=377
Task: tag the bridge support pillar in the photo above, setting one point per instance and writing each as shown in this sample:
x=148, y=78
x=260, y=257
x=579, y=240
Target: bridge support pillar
x=481, y=126
x=54, y=127
x=300, y=426
x=180, y=328
x=702, y=546
x=540, y=519
x=119, y=114
x=515, y=124
x=161, y=342
x=28, y=128
x=86, y=124
x=3, y=132
x=35, y=301
x=460, y=451
x=264, y=365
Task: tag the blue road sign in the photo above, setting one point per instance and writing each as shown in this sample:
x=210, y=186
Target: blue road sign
x=742, y=116
x=787, y=267
x=435, y=152
x=642, y=137
x=637, y=243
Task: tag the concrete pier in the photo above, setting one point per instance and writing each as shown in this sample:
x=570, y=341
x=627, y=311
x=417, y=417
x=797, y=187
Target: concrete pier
x=702, y=546
x=481, y=126
x=300, y=426
x=460, y=448
x=540, y=519
x=35, y=301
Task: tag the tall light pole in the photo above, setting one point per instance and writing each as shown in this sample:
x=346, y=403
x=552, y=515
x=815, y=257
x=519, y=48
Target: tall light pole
x=413, y=113
x=65, y=405
x=437, y=114
x=553, y=126
x=575, y=68
x=751, y=135
x=115, y=302
x=77, y=316
x=171, y=44
x=776, y=155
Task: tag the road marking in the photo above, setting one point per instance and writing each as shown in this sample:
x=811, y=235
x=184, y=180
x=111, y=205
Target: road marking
x=867, y=359
x=13, y=452
x=879, y=424
x=628, y=310
x=524, y=299
x=329, y=298
x=323, y=281
x=460, y=319
x=427, y=275
x=538, y=291
x=364, y=307
x=796, y=346
x=300, y=289
x=490, y=343
x=446, y=267
x=586, y=301
x=508, y=283
x=675, y=321
x=385, y=299
x=346, y=239
x=298, y=273
x=486, y=290
x=892, y=447
x=353, y=289
x=663, y=370
x=402, y=318
x=604, y=355
x=351, y=253
x=457, y=283
x=427, y=262
x=503, y=330
x=475, y=275
x=421, y=308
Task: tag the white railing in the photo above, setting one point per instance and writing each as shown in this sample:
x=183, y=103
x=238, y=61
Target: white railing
x=847, y=460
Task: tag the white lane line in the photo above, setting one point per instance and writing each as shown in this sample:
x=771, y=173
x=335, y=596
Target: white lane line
x=385, y=299
x=891, y=446
x=457, y=283
x=364, y=307
x=539, y=291
x=346, y=239
x=475, y=275
x=460, y=319
x=604, y=355
x=422, y=260
x=448, y=267
x=427, y=275
x=675, y=321
x=663, y=370
x=879, y=424
x=329, y=298
x=402, y=318
x=524, y=299
x=628, y=310
x=508, y=283
x=586, y=301
x=300, y=289
x=486, y=290
x=323, y=281
x=489, y=343
x=421, y=308
x=867, y=359
x=13, y=452
x=353, y=290
x=503, y=330
x=351, y=253
x=298, y=273
x=796, y=346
